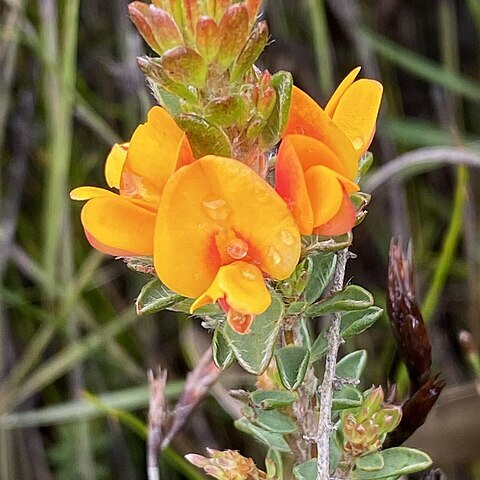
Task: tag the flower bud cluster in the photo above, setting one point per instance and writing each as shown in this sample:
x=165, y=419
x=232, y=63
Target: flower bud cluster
x=365, y=429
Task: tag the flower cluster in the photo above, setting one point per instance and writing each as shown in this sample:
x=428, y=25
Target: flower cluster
x=192, y=189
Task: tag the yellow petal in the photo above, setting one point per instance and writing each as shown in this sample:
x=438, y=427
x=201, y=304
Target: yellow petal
x=306, y=117
x=86, y=193
x=114, y=164
x=241, y=285
x=335, y=98
x=342, y=222
x=214, y=195
x=152, y=156
x=357, y=111
x=117, y=226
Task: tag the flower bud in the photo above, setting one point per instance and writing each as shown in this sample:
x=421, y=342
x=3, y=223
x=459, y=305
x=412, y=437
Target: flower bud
x=233, y=34
x=184, y=65
x=165, y=30
x=139, y=14
x=208, y=38
x=371, y=404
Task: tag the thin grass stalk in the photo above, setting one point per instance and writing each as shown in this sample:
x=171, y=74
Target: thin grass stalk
x=321, y=45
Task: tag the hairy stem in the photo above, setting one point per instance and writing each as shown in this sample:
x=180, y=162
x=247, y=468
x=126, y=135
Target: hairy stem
x=326, y=389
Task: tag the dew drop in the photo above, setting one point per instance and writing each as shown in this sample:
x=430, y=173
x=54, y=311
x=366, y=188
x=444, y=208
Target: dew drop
x=287, y=237
x=216, y=208
x=237, y=248
x=248, y=274
x=201, y=226
x=274, y=256
x=357, y=143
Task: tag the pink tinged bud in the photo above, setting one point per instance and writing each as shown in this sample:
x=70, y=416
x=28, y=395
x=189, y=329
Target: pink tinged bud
x=139, y=15
x=175, y=9
x=220, y=8
x=166, y=33
x=371, y=404
x=233, y=34
x=191, y=12
x=197, y=460
x=208, y=38
x=184, y=65
x=252, y=8
x=266, y=102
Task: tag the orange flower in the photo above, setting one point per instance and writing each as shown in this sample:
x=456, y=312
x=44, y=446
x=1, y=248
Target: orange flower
x=123, y=224
x=318, y=158
x=220, y=228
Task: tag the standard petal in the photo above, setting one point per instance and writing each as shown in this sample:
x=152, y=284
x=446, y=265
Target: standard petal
x=307, y=118
x=152, y=156
x=117, y=226
x=342, y=222
x=357, y=111
x=215, y=195
x=335, y=98
x=114, y=164
x=291, y=186
x=241, y=285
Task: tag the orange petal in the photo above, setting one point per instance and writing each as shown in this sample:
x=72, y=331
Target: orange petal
x=114, y=164
x=86, y=193
x=335, y=98
x=307, y=118
x=152, y=156
x=325, y=192
x=185, y=154
x=357, y=111
x=209, y=196
x=242, y=286
x=342, y=222
x=116, y=226
x=290, y=184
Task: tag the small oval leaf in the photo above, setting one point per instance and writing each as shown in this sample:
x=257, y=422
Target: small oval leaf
x=351, y=366
x=356, y=322
x=222, y=354
x=306, y=471
x=370, y=463
x=292, y=363
x=255, y=349
x=322, y=269
x=350, y=298
x=273, y=440
x=397, y=461
x=268, y=399
x=270, y=420
x=155, y=297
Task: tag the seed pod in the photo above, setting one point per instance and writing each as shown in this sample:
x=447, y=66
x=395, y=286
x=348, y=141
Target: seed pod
x=415, y=411
x=405, y=317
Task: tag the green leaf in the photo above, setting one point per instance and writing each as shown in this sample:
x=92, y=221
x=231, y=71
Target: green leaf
x=274, y=464
x=273, y=440
x=356, y=322
x=185, y=66
x=292, y=363
x=296, y=308
x=370, y=463
x=154, y=297
x=306, y=471
x=350, y=298
x=364, y=165
x=268, y=399
x=222, y=354
x=322, y=269
x=397, y=461
x=254, y=350
x=282, y=82
x=352, y=365
x=204, y=137
x=346, y=397
x=352, y=323
x=225, y=111
x=270, y=420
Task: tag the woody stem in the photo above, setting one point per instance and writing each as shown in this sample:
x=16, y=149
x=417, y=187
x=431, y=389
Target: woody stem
x=326, y=389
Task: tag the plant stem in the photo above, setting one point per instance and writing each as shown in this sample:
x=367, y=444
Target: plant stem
x=326, y=389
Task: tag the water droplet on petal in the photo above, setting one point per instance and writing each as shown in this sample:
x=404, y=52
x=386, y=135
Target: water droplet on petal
x=237, y=248
x=274, y=256
x=249, y=274
x=217, y=209
x=357, y=143
x=287, y=237
x=201, y=226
